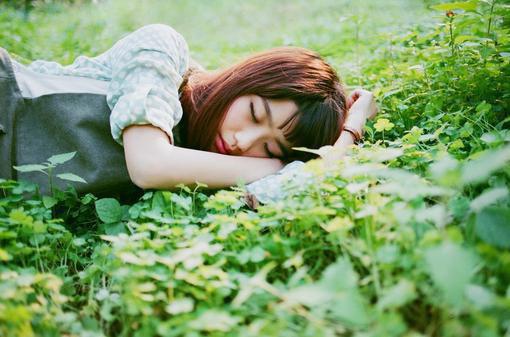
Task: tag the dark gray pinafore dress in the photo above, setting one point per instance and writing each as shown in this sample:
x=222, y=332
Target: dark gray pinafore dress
x=35, y=127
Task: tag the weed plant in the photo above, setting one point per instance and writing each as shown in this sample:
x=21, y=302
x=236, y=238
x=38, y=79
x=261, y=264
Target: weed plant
x=408, y=235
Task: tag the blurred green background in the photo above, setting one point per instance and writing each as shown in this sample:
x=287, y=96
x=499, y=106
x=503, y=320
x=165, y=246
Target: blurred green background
x=218, y=32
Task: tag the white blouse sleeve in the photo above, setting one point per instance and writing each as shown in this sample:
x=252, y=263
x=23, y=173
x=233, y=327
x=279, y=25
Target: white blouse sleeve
x=286, y=182
x=147, y=68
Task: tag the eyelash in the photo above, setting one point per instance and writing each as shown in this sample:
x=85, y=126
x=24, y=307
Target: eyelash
x=256, y=121
x=253, y=113
x=267, y=150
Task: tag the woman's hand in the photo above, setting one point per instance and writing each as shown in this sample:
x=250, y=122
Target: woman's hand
x=362, y=102
x=361, y=106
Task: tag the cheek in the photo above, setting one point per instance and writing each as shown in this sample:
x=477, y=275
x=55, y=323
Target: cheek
x=235, y=117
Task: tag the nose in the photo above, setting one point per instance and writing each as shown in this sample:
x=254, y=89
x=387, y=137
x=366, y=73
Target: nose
x=246, y=139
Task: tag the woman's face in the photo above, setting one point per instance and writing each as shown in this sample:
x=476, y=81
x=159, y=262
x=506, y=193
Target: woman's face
x=253, y=127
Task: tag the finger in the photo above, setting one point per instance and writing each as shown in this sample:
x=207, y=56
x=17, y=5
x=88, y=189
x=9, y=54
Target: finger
x=353, y=97
x=349, y=102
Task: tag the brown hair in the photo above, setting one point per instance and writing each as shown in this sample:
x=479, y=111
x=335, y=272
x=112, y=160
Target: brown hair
x=291, y=73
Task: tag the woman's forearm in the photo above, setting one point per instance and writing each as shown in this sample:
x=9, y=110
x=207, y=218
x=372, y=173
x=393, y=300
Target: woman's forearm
x=177, y=165
x=354, y=120
x=362, y=106
x=344, y=140
x=155, y=163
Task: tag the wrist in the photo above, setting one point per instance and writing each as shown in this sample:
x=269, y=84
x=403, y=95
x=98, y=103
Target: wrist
x=357, y=136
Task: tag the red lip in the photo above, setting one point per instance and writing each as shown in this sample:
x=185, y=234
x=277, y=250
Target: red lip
x=222, y=145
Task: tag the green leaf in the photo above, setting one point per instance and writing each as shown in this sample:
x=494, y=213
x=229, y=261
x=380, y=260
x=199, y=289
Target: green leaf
x=113, y=228
x=71, y=177
x=214, y=320
x=388, y=253
x=323, y=151
x=49, y=202
x=466, y=5
x=479, y=169
x=493, y=226
x=481, y=297
x=257, y=254
x=483, y=108
x=309, y=295
x=61, y=158
x=330, y=276
x=179, y=306
x=349, y=307
x=184, y=202
x=108, y=210
x=87, y=198
x=77, y=242
x=398, y=295
x=30, y=168
x=488, y=197
x=346, y=305
x=383, y=124
x=4, y=255
x=451, y=267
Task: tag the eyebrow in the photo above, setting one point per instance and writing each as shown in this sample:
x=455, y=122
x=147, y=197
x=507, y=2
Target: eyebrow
x=269, y=113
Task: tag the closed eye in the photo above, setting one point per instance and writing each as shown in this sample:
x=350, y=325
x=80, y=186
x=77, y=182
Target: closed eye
x=252, y=110
x=268, y=152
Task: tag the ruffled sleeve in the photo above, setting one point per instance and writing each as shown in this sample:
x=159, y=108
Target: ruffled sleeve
x=289, y=180
x=147, y=68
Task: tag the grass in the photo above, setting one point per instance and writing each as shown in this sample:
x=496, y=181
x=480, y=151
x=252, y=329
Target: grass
x=407, y=236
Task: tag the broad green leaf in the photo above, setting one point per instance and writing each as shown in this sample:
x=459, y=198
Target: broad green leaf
x=115, y=228
x=465, y=5
x=483, y=108
x=347, y=304
x=349, y=307
x=337, y=292
x=214, y=320
x=180, y=306
x=398, y=295
x=71, y=177
x=381, y=154
x=19, y=216
x=445, y=170
x=61, y=158
x=340, y=276
x=131, y=258
x=488, y=197
x=257, y=254
x=49, y=202
x=388, y=253
x=310, y=295
x=322, y=152
x=87, y=198
x=437, y=214
x=480, y=296
x=182, y=201
x=496, y=136
x=479, y=169
x=383, y=124
x=493, y=226
x=451, y=266
x=249, y=285
x=79, y=242
x=30, y=168
x=459, y=206
x=4, y=255
x=464, y=38
x=108, y=210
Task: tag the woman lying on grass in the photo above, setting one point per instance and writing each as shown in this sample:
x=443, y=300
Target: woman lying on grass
x=178, y=124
